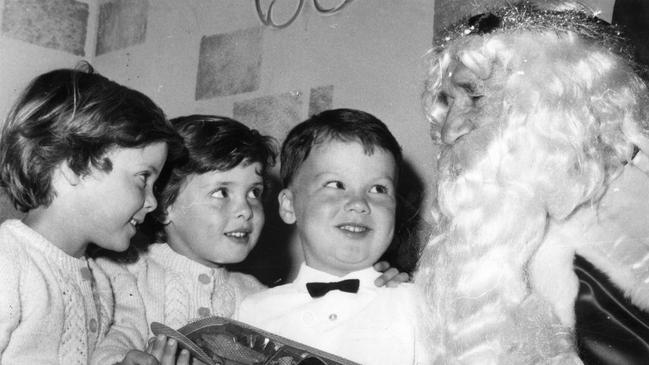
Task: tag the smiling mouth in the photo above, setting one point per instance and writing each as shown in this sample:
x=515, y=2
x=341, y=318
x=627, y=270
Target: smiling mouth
x=238, y=235
x=353, y=228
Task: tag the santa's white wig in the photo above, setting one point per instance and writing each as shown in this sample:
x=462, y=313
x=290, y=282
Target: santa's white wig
x=560, y=108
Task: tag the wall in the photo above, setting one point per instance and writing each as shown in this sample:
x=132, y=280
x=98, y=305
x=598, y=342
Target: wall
x=206, y=56
x=215, y=57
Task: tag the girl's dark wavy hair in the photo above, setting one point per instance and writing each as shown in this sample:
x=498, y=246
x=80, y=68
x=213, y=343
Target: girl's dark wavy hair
x=73, y=115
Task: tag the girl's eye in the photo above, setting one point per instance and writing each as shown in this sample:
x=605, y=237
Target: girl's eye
x=335, y=185
x=220, y=193
x=380, y=189
x=144, y=178
x=255, y=193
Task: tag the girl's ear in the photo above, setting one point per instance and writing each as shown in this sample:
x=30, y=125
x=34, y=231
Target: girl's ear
x=286, y=210
x=168, y=213
x=68, y=174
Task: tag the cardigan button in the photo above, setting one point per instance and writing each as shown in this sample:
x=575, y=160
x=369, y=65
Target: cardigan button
x=333, y=317
x=93, y=325
x=204, y=278
x=86, y=274
x=203, y=311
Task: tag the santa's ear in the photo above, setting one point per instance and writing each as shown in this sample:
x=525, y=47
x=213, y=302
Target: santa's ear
x=286, y=209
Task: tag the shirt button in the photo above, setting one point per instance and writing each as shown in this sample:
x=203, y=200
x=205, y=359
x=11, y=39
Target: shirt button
x=333, y=317
x=204, y=278
x=93, y=325
x=203, y=311
x=85, y=273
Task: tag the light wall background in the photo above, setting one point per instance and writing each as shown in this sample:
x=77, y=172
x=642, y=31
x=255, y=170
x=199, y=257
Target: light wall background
x=216, y=57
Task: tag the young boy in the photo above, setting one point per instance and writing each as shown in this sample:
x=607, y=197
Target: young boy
x=79, y=154
x=340, y=169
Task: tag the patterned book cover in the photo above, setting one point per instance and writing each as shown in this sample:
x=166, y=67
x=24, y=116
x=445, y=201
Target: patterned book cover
x=223, y=341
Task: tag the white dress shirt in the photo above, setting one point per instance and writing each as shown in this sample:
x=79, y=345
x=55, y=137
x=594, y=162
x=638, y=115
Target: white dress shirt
x=371, y=327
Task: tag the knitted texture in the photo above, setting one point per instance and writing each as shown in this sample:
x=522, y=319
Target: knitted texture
x=164, y=286
x=51, y=299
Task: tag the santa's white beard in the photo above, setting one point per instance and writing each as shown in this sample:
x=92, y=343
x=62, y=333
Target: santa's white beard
x=476, y=280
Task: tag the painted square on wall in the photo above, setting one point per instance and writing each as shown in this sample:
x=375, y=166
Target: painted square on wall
x=229, y=63
x=122, y=23
x=272, y=115
x=55, y=24
x=321, y=99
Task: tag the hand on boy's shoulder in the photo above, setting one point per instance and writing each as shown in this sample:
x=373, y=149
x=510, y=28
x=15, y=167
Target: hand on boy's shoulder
x=390, y=277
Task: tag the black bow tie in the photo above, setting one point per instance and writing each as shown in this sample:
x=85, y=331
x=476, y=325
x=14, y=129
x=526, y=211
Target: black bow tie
x=317, y=290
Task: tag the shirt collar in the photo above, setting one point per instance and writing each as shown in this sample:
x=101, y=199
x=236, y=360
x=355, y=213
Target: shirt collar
x=308, y=274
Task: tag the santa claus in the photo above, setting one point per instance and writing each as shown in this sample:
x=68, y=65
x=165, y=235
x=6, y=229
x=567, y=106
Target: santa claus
x=542, y=120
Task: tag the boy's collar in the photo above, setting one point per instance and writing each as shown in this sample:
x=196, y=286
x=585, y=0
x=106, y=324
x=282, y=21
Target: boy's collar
x=309, y=274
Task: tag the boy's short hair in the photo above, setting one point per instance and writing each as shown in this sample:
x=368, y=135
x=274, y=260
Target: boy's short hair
x=347, y=125
x=77, y=116
x=213, y=143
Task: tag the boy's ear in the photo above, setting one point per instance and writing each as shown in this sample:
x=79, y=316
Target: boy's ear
x=68, y=174
x=286, y=210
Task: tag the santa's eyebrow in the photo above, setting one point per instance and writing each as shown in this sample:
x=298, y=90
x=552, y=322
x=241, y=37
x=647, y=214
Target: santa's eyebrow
x=470, y=87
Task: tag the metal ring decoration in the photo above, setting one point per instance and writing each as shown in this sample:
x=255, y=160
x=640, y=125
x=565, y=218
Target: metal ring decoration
x=323, y=10
x=267, y=18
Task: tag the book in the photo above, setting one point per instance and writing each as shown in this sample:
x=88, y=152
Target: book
x=224, y=341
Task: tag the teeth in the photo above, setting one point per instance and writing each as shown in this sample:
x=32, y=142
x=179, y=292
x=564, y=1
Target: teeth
x=353, y=228
x=236, y=234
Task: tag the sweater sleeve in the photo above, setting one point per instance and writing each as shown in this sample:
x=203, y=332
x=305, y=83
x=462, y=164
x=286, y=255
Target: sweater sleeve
x=9, y=298
x=128, y=330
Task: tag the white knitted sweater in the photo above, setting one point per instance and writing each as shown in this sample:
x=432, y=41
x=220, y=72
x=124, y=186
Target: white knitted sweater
x=54, y=308
x=164, y=286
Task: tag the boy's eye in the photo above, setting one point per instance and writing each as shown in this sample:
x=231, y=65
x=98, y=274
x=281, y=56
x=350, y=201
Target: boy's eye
x=335, y=185
x=220, y=193
x=255, y=193
x=380, y=189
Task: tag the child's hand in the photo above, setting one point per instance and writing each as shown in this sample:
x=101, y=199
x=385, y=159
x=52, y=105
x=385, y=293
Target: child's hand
x=164, y=350
x=136, y=357
x=391, y=277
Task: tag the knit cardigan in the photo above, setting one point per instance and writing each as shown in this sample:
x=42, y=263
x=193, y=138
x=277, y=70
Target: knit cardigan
x=164, y=286
x=54, y=308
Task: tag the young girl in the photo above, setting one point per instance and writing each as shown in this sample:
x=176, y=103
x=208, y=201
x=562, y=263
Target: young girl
x=79, y=155
x=211, y=214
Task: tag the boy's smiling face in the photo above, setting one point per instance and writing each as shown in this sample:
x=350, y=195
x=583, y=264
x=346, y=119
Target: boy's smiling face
x=343, y=203
x=218, y=216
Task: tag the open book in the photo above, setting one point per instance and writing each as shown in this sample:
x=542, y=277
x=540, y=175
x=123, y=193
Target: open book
x=223, y=341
